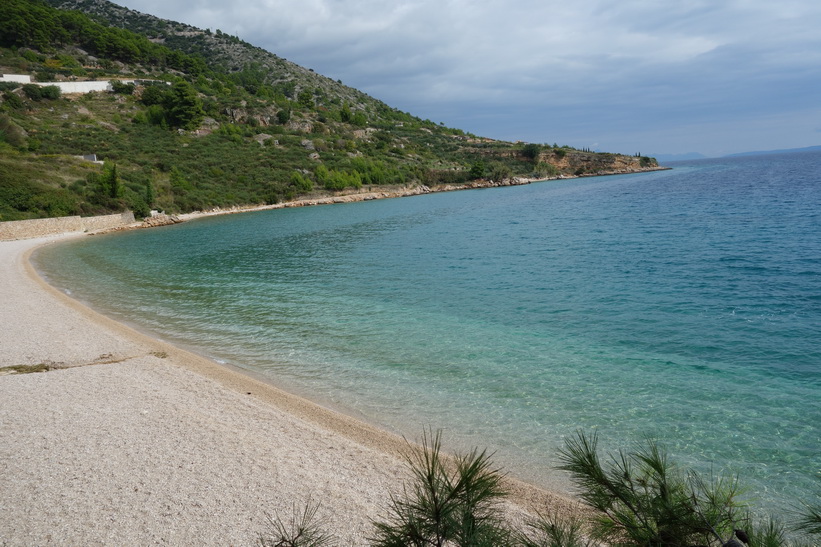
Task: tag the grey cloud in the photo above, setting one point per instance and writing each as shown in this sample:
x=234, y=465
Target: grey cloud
x=594, y=70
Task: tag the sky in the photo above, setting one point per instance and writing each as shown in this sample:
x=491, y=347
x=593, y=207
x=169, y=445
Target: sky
x=654, y=77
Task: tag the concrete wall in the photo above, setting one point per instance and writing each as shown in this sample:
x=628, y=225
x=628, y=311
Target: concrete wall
x=78, y=87
x=26, y=229
x=17, y=78
x=65, y=87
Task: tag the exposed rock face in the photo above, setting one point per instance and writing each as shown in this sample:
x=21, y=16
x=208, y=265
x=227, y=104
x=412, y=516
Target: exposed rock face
x=579, y=163
x=262, y=137
x=592, y=163
x=160, y=219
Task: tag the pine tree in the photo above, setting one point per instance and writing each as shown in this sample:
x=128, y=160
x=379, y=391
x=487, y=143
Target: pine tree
x=183, y=106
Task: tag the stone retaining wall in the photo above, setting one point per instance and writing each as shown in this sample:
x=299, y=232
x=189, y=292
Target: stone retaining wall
x=26, y=229
x=92, y=224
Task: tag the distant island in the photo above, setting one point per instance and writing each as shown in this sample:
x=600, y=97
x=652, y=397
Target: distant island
x=666, y=158
x=784, y=151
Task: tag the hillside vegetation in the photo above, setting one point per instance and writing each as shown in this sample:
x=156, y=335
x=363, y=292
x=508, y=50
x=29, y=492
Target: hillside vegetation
x=197, y=120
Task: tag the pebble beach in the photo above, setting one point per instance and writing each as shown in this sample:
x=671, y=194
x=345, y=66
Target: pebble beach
x=127, y=440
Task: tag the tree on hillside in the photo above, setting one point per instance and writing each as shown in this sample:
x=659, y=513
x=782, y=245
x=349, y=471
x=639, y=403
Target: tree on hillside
x=284, y=116
x=183, y=106
x=110, y=181
x=149, y=194
x=153, y=94
x=306, y=98
x=359, y=119
x=478, y=169
x=531, y=151
x=345, y=113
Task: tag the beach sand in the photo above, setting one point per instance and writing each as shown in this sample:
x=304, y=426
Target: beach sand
x=128, y=440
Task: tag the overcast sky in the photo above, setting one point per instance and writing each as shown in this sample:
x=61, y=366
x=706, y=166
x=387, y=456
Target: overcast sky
x=648, y=76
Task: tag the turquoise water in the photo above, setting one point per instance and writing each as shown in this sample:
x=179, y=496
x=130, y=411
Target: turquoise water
x=684, y=305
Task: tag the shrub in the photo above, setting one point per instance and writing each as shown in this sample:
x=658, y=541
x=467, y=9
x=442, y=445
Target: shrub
x=555, y=531
x=32, y=56
x=345, y=114
x=10, y=132
x=284, y=116
x=500, y=172
x=153, y=94
x=339, y=180
x=301, y=183
x=359, y=119
x=51, y=92
x=154, y=115
x=12, y=101
x=478, y=169
x=439, y=176
x=33, y=91
x=447, y=504
x=304, y=529
x=641, y=497
x=305, y=98
x=810, y=520
x=544, y=169
x=531, y=151
x=122, y=88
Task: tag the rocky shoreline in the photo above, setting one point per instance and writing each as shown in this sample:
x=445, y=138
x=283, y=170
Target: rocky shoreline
x=369, y=195
x=27, y=229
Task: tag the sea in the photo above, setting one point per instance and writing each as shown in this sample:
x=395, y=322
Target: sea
x=682, y=306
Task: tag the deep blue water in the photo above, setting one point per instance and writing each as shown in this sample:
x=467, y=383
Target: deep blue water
x=684, y=305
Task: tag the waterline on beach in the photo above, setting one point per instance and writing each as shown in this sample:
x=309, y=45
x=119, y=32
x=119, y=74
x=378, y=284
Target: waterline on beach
x=673, y=304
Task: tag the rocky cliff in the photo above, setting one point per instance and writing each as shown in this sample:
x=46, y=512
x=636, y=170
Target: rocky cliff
x=577, y=162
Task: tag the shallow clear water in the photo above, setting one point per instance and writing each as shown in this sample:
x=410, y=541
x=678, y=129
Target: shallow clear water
x=684, y=304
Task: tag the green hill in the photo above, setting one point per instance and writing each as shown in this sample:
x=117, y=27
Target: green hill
x=197, y=120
